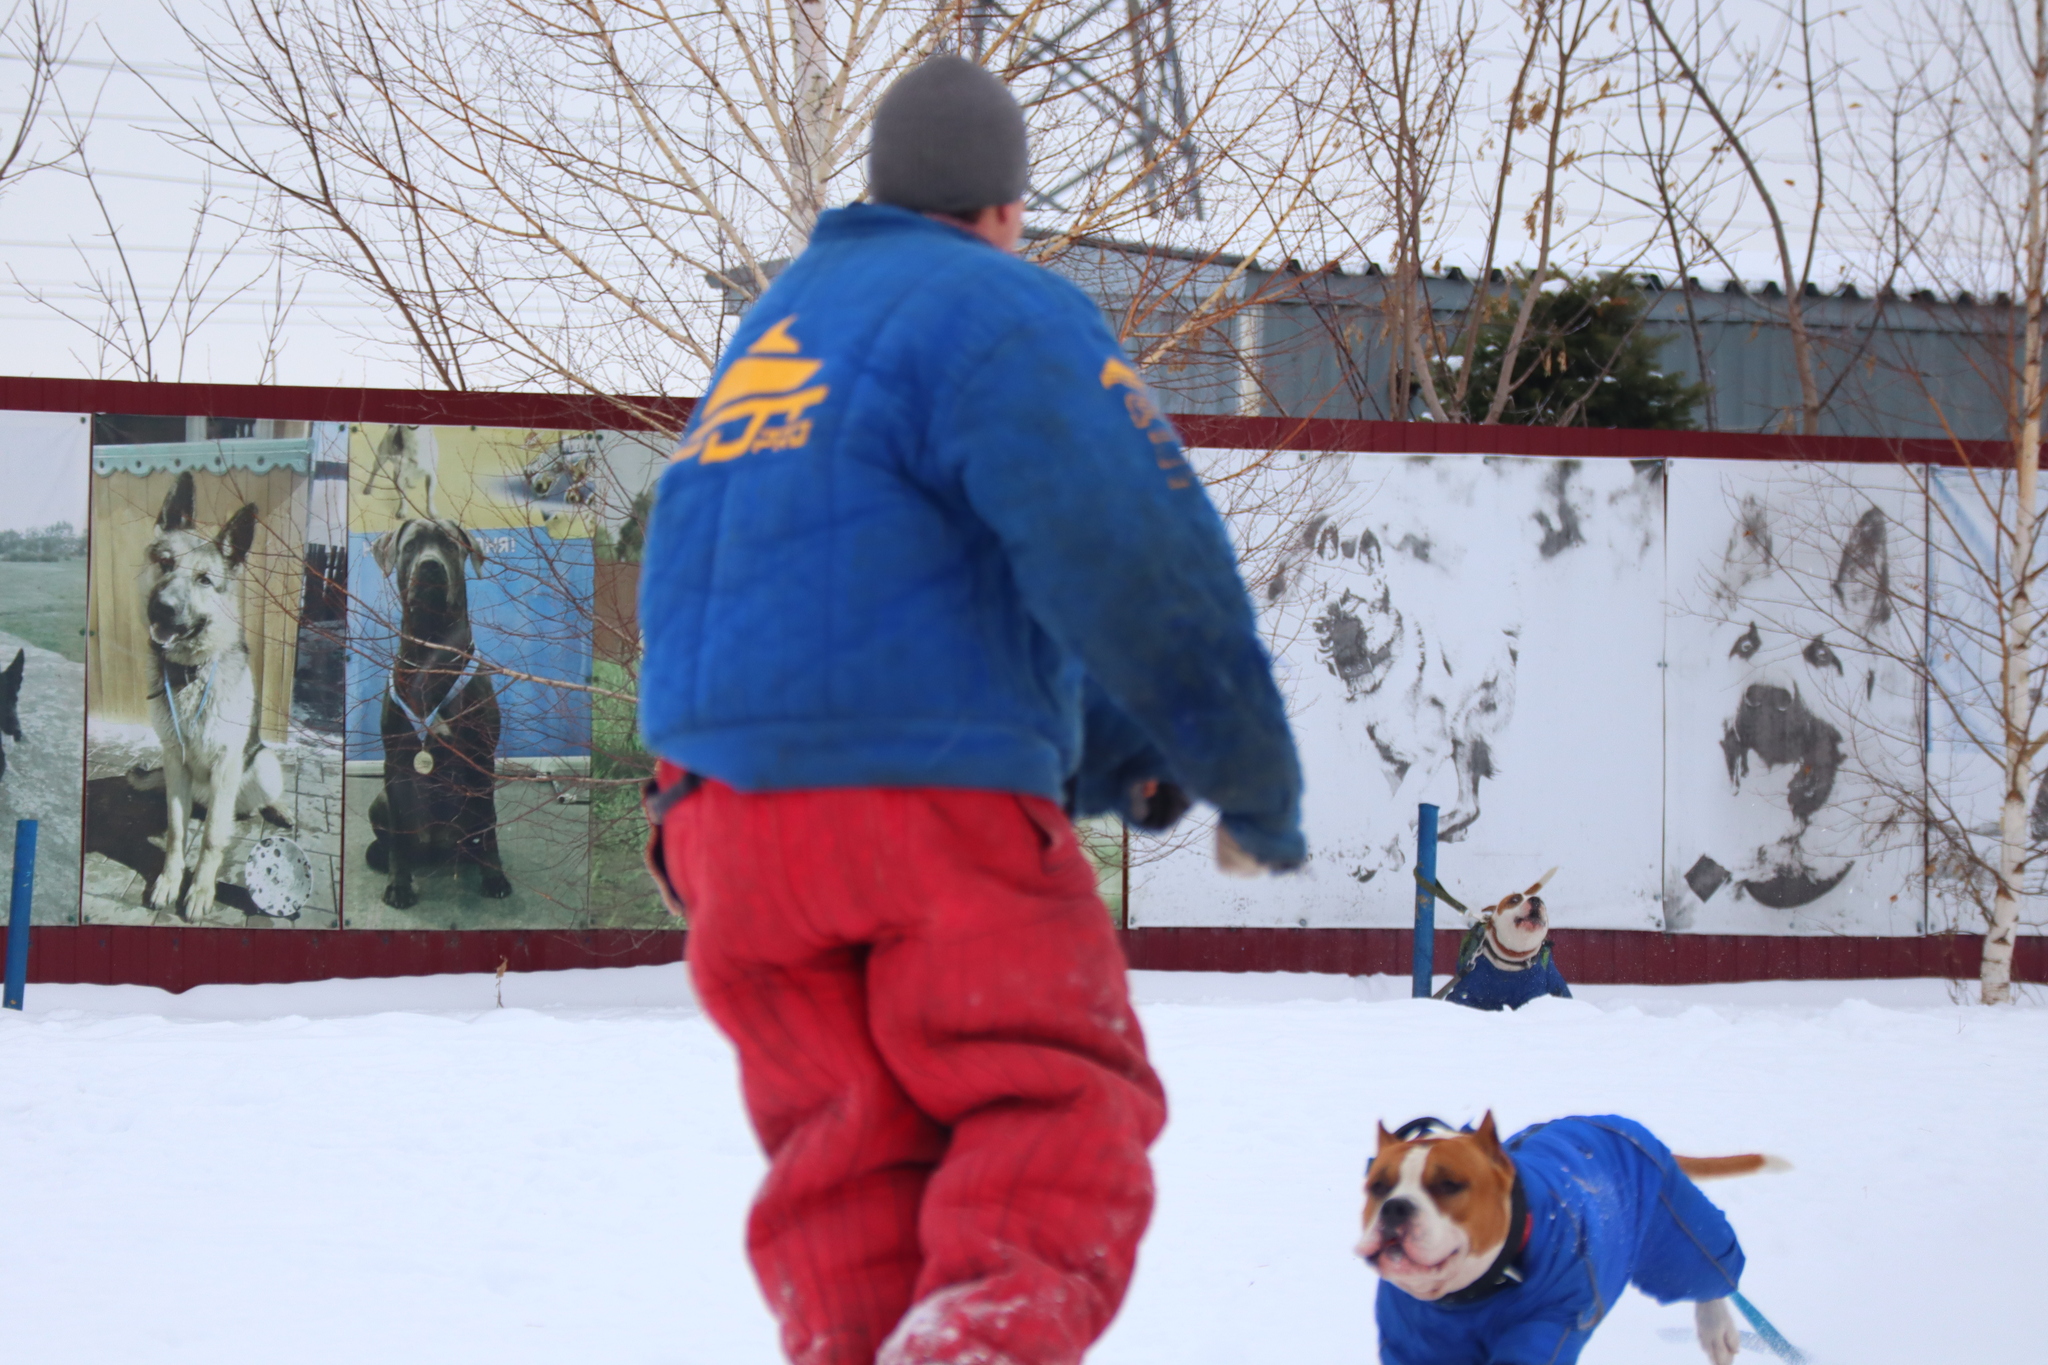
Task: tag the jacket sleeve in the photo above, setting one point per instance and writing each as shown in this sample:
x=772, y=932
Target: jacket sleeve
x=1060, y=450
x=1116, y=755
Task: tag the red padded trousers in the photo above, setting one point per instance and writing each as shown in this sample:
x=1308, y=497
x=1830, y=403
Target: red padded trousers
x=938, y=1052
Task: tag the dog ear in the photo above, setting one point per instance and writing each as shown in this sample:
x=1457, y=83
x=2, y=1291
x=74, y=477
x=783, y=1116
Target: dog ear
x=1489, y=1138
x=1386, y=1138
x=1541, y=882
x=237, y=536
x=470, y=545
x=384, y=549
x=1863, y=576
x=12, y=677
x=177, y=509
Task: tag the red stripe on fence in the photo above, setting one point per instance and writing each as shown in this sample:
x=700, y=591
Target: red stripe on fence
x=178, y=959
x=1592, y=956
x=288, y=402
x=581, y=412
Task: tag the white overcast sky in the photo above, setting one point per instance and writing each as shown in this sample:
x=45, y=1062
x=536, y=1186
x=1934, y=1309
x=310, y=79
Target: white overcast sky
x=50, y=234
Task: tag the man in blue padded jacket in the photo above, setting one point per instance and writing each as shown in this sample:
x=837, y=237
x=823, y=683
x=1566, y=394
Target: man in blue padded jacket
x=928, y=572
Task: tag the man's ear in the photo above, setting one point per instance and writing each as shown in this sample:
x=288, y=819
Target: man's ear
x=237, y=536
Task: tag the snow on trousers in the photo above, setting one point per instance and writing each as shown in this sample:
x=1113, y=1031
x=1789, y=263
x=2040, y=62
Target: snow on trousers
x=939, y=1055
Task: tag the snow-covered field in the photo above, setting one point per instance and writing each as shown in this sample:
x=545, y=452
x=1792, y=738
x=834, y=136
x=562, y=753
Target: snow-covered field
x=400, y=1171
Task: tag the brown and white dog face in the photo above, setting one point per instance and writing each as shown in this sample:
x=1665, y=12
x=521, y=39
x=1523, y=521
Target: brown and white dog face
x=1520, y=923
x=192, y=582
x=1437, y=1209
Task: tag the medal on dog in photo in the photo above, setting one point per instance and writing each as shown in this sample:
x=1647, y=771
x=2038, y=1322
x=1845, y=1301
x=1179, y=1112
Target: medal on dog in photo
x=278, y=877
x=423, y=726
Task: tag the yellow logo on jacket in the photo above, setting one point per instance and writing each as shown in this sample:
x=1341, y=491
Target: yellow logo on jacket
x=759, y=402
x=1145, y=415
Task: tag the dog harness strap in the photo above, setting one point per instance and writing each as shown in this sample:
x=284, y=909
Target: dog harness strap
x=1506, y=1268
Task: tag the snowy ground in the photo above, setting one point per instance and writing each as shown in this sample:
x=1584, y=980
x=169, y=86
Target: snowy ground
x=400, y=1171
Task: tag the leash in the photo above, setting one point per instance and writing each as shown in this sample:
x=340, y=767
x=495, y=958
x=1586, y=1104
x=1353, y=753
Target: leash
x=423, y=761
x=1773, y=1340
x=171, y=704
x=1436, y=888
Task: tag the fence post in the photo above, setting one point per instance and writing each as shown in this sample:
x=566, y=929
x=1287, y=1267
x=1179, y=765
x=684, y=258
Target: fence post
x=18, y=913
x=1425, y=900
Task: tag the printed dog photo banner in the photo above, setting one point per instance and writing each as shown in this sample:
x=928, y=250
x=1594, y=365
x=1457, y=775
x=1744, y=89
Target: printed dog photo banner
x=46, y=460
x=621, y=498
x=469, y=677
x=1480, y=633
x=212, y=755
x=1794, y=740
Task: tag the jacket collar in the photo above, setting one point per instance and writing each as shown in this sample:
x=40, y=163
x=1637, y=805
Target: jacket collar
x=870, y=220
x=1506, y=1269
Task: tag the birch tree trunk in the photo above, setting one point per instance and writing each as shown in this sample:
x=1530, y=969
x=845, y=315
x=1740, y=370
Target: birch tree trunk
x=2020, y=620
x=810, y=147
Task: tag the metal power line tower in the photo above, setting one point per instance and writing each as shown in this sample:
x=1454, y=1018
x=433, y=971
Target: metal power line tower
x=1120, y=58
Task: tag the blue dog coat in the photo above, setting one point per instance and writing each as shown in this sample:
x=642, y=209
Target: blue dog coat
x=1483, y=983
x=1607, y=1207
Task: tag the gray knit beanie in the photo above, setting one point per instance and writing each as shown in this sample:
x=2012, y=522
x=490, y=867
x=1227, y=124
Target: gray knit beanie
x=947, y=138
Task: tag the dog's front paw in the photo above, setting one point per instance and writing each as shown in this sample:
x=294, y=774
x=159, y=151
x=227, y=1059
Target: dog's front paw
x=1719, y=1337
x=497, y=885
x=163, y=893
x=401, y=896
x=198, y=900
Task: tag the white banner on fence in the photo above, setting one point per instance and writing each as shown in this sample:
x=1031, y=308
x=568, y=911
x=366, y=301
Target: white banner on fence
x=1793, y=744
x=1482, y=633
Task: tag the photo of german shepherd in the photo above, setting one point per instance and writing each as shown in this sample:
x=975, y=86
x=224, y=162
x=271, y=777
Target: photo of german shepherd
x=208, y=725
x=204, y=705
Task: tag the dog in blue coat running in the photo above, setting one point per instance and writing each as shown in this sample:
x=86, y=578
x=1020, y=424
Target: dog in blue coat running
x=1494, y=1253
x=1505, y=960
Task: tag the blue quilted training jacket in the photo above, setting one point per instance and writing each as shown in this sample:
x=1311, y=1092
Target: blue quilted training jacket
x=924, y=500
x=1609, y=1208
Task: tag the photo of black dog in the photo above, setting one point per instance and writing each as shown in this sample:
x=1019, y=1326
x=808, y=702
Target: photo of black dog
x=440, y=721
x=10, y=697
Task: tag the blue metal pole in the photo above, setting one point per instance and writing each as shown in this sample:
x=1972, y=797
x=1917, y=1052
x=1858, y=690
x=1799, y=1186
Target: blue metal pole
x=18, y=913
x=1425, y=901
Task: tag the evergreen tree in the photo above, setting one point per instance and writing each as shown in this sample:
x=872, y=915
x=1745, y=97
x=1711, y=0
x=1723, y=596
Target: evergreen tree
x=1585, y=361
